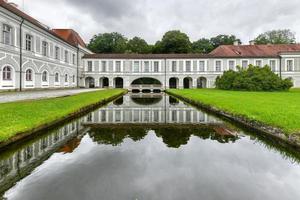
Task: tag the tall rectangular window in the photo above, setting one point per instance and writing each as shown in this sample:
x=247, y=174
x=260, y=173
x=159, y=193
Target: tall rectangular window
x=231, y=64
x=146, y=66
x=244, y=64
x=66, y=56
x=7, y=34
x=118, y=66
x=90, y=66
x=156, y=66
x=73, y=59
x=28, y=42
x=174, y=66
x=188, y=66
x=136, y=66
x=290, y=65
x=103, y=64
x=218, y=66
x=57, y=53
x=273, y=65
x=258, y=63
x=201, y=66
x=45, y=48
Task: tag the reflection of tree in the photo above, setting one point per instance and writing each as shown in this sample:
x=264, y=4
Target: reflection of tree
x=172, y=136
x=115, y=136
x=146, y=100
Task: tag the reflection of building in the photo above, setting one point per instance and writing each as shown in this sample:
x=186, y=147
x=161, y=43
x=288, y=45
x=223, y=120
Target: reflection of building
x=136, y=109
x=22, y=161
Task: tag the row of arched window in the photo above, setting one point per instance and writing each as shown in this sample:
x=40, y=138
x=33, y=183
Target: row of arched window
x=7, y=75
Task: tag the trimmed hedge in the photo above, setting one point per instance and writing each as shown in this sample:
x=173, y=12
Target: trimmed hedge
x=253, y=79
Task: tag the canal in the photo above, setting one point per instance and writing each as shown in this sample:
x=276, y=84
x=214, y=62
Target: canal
x=148, y=147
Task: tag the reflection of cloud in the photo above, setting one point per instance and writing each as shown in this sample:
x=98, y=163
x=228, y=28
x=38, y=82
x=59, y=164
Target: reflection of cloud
x=150, y=19
x=147, y=169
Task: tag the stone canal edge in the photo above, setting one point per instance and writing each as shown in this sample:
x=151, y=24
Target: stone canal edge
x=22, y=135
x=273, y=133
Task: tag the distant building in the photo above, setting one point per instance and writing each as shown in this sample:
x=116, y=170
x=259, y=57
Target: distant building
x=33, y=56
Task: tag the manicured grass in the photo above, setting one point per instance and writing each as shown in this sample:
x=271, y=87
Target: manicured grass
x=280, y=109
x=23, y=116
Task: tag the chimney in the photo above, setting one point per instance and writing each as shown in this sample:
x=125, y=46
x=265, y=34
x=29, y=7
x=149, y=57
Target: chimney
x=252, y=42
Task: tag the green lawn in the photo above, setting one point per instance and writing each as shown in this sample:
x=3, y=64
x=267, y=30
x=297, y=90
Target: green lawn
x=280, y=109
x=23, y=116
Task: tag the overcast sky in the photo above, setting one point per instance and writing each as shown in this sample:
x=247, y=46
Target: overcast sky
x=150, y=19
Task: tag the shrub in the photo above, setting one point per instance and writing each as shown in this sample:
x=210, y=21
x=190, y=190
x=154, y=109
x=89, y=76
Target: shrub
x=252, y=79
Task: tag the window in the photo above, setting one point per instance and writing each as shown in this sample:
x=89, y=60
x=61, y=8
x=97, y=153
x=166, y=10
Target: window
x=118, y=66
x=7, y=73
x=66, y=78
x=174, y=66
x=66, y=56
x=45, y=48
x=290, y=65
x=73, y=59
x=156, y=66
x=29, y=40
x=28, y=75
x=146, y=66
x=7, y=34
x=188, y=66
x=57, y=53
x=218, y=66
x=45, y=76
x=258, y=63
x=56, y=77
x=103, y=63
x=273, y=65
x=231, y=65
x=73, y=78
x=244, y=64
x=90, y=66
x=136, y=66
x=202, y=66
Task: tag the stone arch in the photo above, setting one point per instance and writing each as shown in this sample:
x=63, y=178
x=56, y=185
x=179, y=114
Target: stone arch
x=202, y=82
x=11, y=82
x=187, y=83
x=173, y=82
x=118, y=82
x=104, y=82
x=146, y=81
x=11, y=62
x=89, y=82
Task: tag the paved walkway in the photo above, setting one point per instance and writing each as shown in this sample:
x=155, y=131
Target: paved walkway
x=30, y=95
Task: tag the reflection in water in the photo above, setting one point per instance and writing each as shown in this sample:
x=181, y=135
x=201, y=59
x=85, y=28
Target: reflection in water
x=174, y=137
x=128, y=150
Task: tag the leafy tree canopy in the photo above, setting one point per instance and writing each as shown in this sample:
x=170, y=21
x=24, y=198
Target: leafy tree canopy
x=138, y=45
x=284, y=36
x=175, y=42
x=108, y=43
x=202, y=46
x=223, y=40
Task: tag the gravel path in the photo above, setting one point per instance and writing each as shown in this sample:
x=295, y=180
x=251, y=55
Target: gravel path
x=30, y=95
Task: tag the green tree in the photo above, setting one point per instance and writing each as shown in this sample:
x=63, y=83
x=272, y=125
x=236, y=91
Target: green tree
x=108, y=43
x=284, y=36
x=138, y=45
x=202, y=45
x=174, y=42
x=223, y=40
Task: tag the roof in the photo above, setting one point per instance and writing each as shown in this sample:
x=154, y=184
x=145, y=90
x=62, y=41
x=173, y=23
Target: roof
x=145, y=56
x=30, y=19
x=253, y=51
x=71, y=36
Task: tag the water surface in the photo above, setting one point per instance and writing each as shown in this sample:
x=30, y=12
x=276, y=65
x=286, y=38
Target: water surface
x=148, y=147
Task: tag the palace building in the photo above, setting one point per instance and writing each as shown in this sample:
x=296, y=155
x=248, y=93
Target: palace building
x=34, y=56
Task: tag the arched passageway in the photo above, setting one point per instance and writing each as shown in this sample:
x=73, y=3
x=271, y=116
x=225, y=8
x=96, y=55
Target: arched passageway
x=146, y=81
x=118, y=82
x=187, y=82
x=173, y=82
x=90, y=82
x=104, y=82
x=202, y=82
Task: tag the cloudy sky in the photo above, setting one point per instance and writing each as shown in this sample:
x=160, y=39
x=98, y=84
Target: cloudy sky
x=150, y=19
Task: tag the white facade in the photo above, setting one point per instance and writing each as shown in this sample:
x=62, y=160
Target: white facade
x=47, y=60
